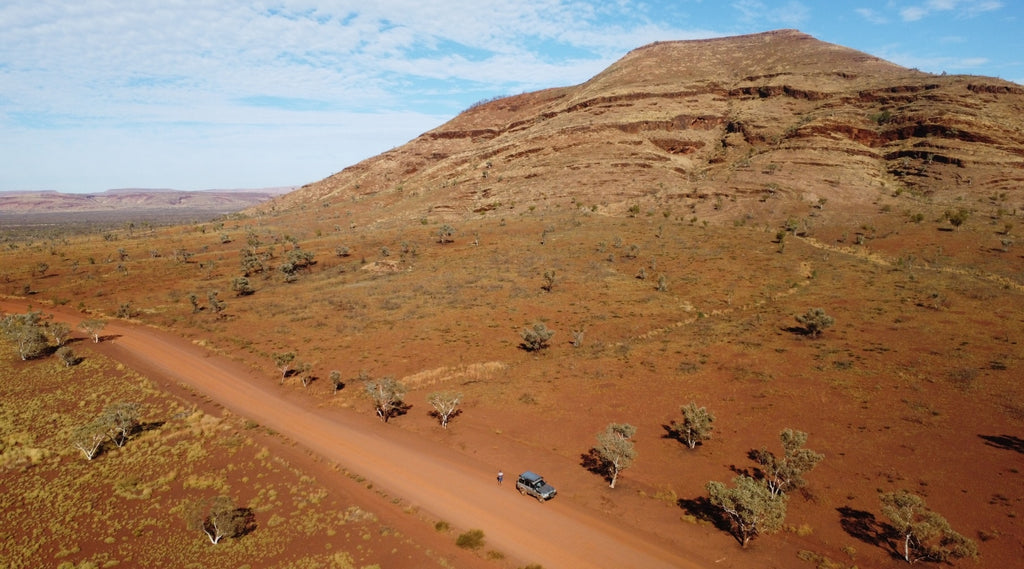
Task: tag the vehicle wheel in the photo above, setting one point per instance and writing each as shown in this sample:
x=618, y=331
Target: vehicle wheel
x=540, y=499
x=521, y=491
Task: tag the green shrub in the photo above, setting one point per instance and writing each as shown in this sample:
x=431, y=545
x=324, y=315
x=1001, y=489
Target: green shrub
x=472, y=539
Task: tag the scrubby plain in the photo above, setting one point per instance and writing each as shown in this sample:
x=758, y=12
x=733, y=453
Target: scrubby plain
x=660, y=291
x=128, y=505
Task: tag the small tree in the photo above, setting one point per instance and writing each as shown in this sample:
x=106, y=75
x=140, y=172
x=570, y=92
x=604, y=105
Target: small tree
x=93, y=327
x=958, y=217
x=536, y=338
x=67, y=356
x=445, y=234
x=387, y=395
x=283, y=361
x=305, y=371
x=549, y=280
x=241, y=286
x=750, y=506
x=59, y=331
x=216, y=305
x=89, y=438
x=445, y=404
x=336, y=380
x=616, y=449
x=122, y=418
x=927, y=536
x=26, y=331
x=193, y=298
x=696, y=426
x=217, y=518
x=782, y=474
x=250, y=262
x=815, y=321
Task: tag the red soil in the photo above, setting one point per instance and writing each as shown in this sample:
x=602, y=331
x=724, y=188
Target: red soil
x=426, y=476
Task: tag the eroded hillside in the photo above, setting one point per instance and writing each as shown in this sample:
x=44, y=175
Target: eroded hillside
x=764, y=121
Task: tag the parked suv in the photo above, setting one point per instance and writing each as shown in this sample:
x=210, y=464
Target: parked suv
x=533, y=484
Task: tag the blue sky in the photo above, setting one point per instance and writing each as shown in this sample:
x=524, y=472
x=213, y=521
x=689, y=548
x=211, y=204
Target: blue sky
x=199, y=94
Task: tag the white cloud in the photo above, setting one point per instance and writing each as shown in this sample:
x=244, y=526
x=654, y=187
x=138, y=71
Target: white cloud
x=871, y=15
x=961, y=8
x=913, y=13
x=122, y=80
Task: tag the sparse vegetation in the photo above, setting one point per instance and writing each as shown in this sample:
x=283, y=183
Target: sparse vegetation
x=815, y=321
x=549, y=280
x=217, y=518
x=93, y=327
x=536, y=338
x=786, y=472
x=122, y=418
x=445, y=234
x=751, y=507
x=387, y=394
x=695, y=427
x=283, y=361
x=616, y=449
x=472, y=539
x=25, y=331
x=445, y=404
x=925, y=535
x=957, y=218
x=241, y=287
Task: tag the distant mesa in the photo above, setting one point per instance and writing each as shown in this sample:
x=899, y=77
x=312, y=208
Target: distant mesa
x=48, y=207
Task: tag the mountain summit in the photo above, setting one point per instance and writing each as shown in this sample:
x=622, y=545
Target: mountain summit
x=766, y=118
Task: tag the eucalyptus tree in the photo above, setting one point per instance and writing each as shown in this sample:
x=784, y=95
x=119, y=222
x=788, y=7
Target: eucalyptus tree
x=615, y=447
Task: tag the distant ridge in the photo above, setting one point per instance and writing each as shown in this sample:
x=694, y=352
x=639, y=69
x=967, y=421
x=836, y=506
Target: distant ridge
x=133, y=199
x=113, y=207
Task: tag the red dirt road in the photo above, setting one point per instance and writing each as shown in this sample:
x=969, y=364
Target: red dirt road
x=426, y=476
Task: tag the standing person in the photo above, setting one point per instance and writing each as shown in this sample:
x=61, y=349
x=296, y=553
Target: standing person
x=501, y=476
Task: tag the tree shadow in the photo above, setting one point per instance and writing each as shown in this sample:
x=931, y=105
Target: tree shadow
x=246, y=521
x=672, y=433
x=798, y=330
x=703, y=510
x=1005, y=442
x=436, y=415
x=596, y=464
x=865, y=526
x=397, y=410
x=146, y=427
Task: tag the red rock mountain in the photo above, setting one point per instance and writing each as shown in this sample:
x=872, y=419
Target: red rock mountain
x=763, y=118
